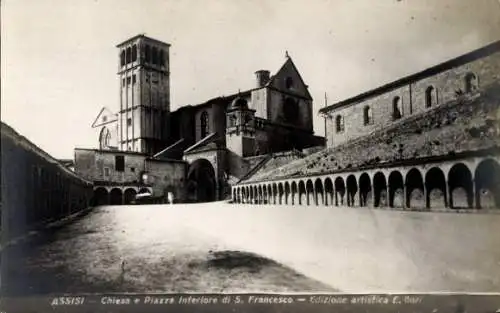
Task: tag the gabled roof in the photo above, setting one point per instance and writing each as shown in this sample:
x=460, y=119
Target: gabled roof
x=104, y=112
x=463, y=59
x=289, y=62
x=203, y=142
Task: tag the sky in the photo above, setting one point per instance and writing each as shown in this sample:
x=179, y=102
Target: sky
x=59, y=60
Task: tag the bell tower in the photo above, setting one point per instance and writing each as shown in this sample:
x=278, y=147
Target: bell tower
x=144, y=73
x=240, y=130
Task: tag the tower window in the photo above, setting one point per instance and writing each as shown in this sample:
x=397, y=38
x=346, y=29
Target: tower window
x=289, y=82
x=123, y=81
x=119, y=163
x=470, y=82
x=147, y=53
x=367, y=115
x=429, y=97
x=154, y=56
x=133, y=79
x=134, y=53
x=128, y=80
x=128, y=54
x=204, y=124
x=129, y=121
x=339, y=123
x=122, y=58
x=162, y=58
x=396, y=108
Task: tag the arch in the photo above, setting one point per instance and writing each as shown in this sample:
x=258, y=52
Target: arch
x=460, y=186
x=380, y=190
x=251, y=195
x=430, y=96
x=397, y=111
x=256, y=198
x=471, y=82
x=269, y=194
x=310, y=192
x=101, y=196
x=261, y=195
x=115, y=196
x=202, y=181
x=367, y=115
x=435, y=186
x=243, y=195
x=339, y=191
x=295, y=194
x=204, y=128
x=396, y=190
x=339, y=123
x=129, y=195
x=275, y=193
x=487, y=180
x=288, y=199
x=328, y=191
x=352, y=190
x=281, y=194
x=415, y=193
x=319, y=192
x=302, y=193
x=365, y=190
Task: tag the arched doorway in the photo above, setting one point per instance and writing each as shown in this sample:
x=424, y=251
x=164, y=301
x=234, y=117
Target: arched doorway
x=380, y=190
x=318, y=188
x=415, y=189
x=487, y=179
x=129, y=195
x=396, y=190
x=115, y=196
x=201, y=181
x=339, y=191
x=328, y=191
x=365, y=188
x=460, y=185
x=435, y=185
x=101, y=196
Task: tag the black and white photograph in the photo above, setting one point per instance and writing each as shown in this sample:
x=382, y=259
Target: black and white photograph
x=250, y=146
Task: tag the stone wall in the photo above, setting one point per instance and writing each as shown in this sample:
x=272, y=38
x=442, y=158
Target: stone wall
x=167, y=177
x=412, y=96
x=36, y=188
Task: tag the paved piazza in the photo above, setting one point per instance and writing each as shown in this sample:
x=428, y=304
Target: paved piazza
x=220, y=247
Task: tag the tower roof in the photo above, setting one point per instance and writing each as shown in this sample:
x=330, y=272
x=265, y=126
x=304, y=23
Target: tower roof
x=144, y=37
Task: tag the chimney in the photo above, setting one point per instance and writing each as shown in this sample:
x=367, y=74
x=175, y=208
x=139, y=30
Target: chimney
x=262, y=77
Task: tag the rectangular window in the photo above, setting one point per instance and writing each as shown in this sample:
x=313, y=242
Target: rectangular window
x=106, y=172
x=129, y=121
x=119, y=163
x=132, y=169
x=123, y=81
x=133, y=79
x=128, y=80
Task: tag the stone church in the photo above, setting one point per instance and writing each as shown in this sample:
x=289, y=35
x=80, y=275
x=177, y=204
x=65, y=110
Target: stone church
x=197, y=151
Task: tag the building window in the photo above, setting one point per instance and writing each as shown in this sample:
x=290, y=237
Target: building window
x=367, y=115
x=133, y=79
x=123, y=82
x=430, y=97
x=134, y=53
x=232, y=120
x=339, y=123
x=204, y=124
x=129, y=121
x=162, y=58
x=396, y=108
x=128, y=80
x=470, y=82
x=106, y=172
x=289, y=82
x=132, y=169
x=291, y=111
x=104, y=118
x=119, y=163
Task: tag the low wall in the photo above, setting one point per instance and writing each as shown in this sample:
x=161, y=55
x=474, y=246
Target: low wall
x=362, y=250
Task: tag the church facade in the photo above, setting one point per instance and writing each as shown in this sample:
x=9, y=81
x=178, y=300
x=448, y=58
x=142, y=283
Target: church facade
x=199, y=150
